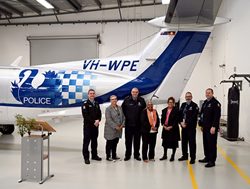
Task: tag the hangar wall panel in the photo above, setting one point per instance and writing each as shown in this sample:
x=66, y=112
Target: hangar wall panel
x=231, y=47
x=53, y=49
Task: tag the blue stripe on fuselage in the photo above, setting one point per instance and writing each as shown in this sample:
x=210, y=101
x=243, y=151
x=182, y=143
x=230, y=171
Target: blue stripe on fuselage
x=183, y=44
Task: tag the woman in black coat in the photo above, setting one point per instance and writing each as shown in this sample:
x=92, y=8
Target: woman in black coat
x=170, y=132
x=149, y=126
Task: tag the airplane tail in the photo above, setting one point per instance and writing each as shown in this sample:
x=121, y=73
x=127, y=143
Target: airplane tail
x=167, y=62
x=173, y=53
x=173, y=56
x=178, y=61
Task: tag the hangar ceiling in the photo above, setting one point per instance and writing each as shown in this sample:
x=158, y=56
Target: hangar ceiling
x=25, y=12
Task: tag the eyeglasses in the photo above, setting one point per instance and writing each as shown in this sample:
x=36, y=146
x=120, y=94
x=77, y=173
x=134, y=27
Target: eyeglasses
x=113, y=99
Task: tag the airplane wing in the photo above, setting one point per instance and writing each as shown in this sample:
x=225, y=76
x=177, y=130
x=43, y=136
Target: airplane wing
x=69, y=112
x=202, y=12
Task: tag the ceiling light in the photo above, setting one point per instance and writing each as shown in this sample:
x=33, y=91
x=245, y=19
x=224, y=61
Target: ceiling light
x=45, y=4
x=165, y=1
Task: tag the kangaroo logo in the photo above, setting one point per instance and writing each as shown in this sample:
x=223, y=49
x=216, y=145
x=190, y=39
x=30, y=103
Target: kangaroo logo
x=34, y=88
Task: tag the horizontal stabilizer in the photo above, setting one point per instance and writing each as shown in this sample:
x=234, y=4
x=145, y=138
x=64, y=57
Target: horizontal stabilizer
x=160, y=23
x=192, y=12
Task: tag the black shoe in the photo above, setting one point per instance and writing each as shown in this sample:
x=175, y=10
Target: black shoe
x=163, y=158
x=116, y=158
x=138, y=158
x=183, y=158
x=204, y=160
x=192, y=161
x=172, y=158
x=97, y=158
x=210, y=164
x=126, y=158
x=109, y=159
x=86, y=161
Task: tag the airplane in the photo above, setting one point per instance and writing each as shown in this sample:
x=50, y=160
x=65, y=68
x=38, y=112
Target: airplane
x=161, y=70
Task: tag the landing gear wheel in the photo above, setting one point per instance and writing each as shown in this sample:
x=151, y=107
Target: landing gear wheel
x=7, y=129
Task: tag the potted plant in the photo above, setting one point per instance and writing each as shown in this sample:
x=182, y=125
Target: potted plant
x=24, y=125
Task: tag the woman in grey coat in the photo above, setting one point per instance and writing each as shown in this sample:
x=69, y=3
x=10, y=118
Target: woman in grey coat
x=114, y=123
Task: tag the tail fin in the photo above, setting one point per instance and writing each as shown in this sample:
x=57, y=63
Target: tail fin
x=176, y=79
x=170, y=72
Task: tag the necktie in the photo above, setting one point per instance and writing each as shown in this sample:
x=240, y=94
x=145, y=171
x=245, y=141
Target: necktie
x=184, y=112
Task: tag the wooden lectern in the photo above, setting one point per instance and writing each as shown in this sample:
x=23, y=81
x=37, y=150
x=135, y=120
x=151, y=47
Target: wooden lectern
x=42, y=126
x=33, y=153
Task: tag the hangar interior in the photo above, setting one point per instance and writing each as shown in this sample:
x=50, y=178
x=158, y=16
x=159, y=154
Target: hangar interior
x=117, y=28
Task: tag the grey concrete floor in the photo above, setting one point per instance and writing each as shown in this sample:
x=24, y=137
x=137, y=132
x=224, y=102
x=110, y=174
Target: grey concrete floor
x=70, y=171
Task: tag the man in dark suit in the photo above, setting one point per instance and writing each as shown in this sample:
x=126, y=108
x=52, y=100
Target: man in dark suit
x=188, y=120
x=91, y=113
x=209, y=121
x=132, y=107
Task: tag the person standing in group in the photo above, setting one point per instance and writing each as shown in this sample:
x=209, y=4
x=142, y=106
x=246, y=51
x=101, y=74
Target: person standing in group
x=210, y=121
x=170, y=131
x=188, y=120
x=132, y=107
x=91, y=113
x=149, y=126
x=114, y=123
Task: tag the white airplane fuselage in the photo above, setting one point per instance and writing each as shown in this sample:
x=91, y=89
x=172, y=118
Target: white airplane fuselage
x=161, y=70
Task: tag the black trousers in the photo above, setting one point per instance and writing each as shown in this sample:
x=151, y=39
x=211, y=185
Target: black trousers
x=132, y=135
x=210, y=145
x=90, y=134
x=188, y=138
x=148, y=142
x=111, y=148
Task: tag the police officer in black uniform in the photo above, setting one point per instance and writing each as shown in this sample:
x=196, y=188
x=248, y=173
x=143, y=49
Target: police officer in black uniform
x=209, y=121
x=132, y=107
x=188, y=120
x=91, y=113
